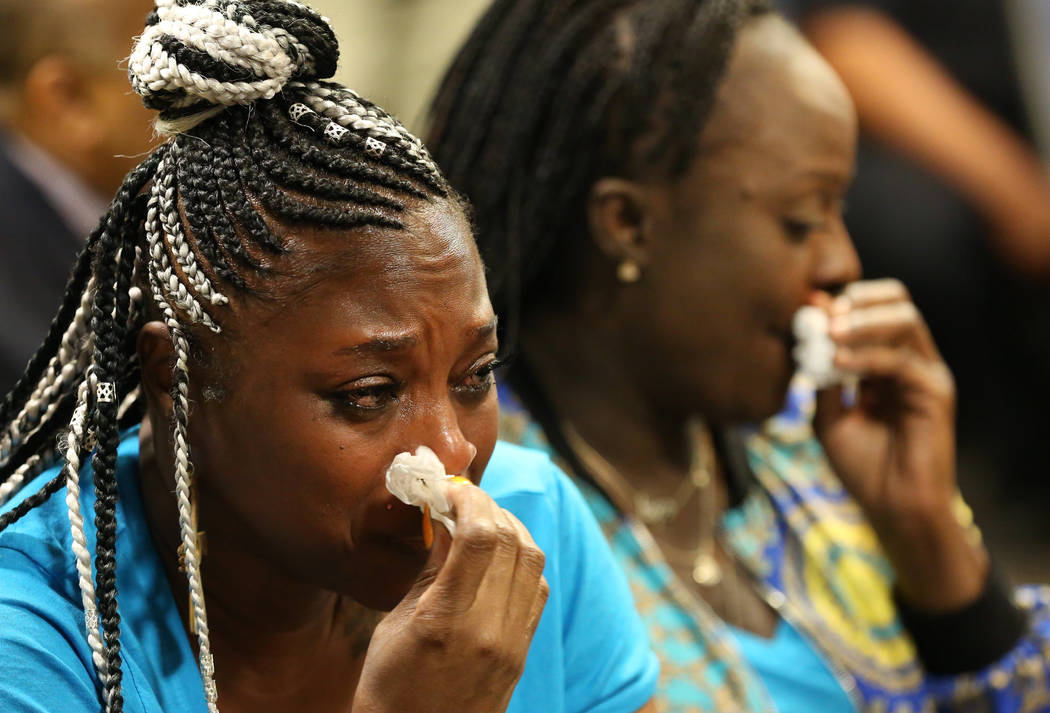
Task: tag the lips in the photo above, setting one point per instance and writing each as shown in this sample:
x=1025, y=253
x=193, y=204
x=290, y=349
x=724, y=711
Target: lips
x=413, y=545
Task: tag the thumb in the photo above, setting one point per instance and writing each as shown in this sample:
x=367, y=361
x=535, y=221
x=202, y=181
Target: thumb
x=830, y=409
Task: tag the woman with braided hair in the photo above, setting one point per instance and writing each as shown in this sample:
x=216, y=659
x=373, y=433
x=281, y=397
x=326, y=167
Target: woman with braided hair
x=281, y=298
x=658, y=192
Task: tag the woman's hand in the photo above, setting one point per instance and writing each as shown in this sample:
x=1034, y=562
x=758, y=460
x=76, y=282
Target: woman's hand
x=458, y=640
x=894, y=449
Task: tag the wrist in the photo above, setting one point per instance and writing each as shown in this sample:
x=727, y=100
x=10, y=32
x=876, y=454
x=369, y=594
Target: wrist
x=968, y=639
x=940, y=562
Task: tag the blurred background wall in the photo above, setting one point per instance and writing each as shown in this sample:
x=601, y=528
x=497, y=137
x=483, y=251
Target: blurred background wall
x=394, y=51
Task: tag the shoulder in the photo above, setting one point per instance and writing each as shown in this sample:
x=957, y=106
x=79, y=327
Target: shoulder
x=40, y=613
x=45, y=662
x=527, y=483
x=40, y=544
x=531, y=486
x=515, y=470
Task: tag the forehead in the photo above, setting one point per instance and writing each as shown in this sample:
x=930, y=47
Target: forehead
x=370, y=275
x=781, y=110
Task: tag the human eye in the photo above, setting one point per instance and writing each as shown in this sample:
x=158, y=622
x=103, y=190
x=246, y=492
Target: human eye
x=812, y=213
x=799, y=229
x=479, y=379
x=368, y=396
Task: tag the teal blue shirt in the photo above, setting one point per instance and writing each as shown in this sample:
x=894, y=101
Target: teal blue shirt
x=590, y=651
x=806, y=684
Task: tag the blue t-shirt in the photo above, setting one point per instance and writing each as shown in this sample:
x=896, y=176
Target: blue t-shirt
x=589, y=653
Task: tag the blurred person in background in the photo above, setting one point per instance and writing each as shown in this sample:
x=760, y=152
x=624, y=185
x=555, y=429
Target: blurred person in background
x=69, y=131
x=658, y=188
x=951, y=198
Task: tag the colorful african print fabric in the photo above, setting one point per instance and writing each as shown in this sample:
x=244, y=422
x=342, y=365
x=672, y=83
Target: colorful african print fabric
x=819, y=564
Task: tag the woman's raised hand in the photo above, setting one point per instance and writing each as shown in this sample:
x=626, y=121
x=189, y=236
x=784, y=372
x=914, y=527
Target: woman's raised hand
x=894, y=449
x=457, y=642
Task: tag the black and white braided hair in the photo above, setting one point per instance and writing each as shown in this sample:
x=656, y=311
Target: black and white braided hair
x=252, y=126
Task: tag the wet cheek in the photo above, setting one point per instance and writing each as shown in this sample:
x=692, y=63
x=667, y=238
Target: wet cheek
x=305, y=469
x=339, y=476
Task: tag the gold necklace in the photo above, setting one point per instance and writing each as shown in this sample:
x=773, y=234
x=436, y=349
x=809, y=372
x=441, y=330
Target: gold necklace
x=658, y=511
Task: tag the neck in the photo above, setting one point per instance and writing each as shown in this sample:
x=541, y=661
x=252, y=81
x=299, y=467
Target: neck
x=277, y=643
x=611, y=403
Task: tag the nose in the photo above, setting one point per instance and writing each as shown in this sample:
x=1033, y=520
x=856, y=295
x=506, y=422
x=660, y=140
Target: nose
x=836, y=263
x=443, y=435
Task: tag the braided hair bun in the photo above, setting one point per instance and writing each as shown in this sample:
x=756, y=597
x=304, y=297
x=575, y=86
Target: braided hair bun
x=197, y=57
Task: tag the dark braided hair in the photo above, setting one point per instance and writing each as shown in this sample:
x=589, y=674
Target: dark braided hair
x=258, y=140
x=545, y=98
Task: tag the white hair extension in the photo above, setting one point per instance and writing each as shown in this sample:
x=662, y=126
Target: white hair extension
x=183, y=476
x=350, y=115
x=28, y=470
x=128, y=402
x=237, y=41
x=345, y=107
x=174, y=290
x=67, y=364
x=187, y=527
x=172, y=127
x=269, y=56
x=74, y=445
x=166, y=207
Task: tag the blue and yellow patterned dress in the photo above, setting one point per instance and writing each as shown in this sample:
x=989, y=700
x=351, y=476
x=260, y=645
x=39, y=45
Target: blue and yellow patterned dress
x=819, y=564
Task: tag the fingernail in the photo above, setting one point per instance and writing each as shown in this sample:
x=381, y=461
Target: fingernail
x=840, y=324
x=841, y=305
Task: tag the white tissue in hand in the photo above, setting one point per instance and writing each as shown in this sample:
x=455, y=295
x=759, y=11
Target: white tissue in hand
x=420, y=480
x=814, y=351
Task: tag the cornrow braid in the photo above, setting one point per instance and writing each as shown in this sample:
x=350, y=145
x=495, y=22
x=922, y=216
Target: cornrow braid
x=295, y=143
x=547, y=96
x=256, y=140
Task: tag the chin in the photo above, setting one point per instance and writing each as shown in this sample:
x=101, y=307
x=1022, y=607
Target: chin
x=755, y=405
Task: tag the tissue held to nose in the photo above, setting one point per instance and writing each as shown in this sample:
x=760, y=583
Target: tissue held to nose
x=419, y=479
x=814, y=351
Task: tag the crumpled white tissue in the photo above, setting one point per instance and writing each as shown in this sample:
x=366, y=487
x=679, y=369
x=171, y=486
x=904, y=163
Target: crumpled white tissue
x=419, y=479
x=814, y=351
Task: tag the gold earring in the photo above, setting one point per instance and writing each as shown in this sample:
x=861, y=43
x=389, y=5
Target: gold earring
x=629, y=271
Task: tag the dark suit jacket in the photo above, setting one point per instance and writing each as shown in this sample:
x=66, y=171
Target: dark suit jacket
x=37, y=251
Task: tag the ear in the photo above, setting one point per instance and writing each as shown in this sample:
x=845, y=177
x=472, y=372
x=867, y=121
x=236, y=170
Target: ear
x=157, y=360
x=57, y=88
x=619, y=214
x=55, y=82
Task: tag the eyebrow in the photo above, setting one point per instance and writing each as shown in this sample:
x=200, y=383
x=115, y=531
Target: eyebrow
x=486, y=330
x=396, y=343
x=379, y=345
